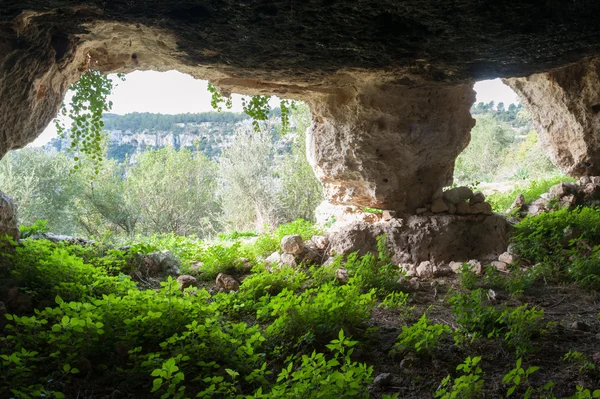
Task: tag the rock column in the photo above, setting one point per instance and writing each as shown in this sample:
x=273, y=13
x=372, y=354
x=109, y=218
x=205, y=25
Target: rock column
x=389, y=146
x=565, y=103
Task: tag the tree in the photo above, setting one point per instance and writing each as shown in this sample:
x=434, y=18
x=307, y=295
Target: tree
x=174, y=191
x=42, y=186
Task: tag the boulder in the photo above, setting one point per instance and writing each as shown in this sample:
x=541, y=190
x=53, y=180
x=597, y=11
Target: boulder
x=481, y=207
x=185, y=281
x=501, y=266
x=464, y=193
x=8, y=217
x=451, y=208
x=159, y=263
x=226, y=283
x=463, y=208
x=342, y=276
x=475, y=266
x=439, y=206
x=517, y=204
x=387, y=214
x=452, y=196
x=292, y=244
x=321, y=242
x=288, y=260
x=425, y=269
x=439, y=238
x=273, y=259
x=477, y=197
x=507, y=258
x=456, y=266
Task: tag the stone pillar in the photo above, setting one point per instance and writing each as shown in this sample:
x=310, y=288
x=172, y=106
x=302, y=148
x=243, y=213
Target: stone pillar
x=8, y=217
x=389, y=146
x=565, y=103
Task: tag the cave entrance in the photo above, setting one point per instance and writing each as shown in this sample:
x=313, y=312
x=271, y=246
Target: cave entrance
x=172, y=164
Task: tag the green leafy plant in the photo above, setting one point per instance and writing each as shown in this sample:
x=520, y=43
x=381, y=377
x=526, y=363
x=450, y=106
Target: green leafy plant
x=520, y=377
x=581, y=360
x=422, y=337
x=468, y=385
x=89, y=102
x=584, y=393
x=39, y=227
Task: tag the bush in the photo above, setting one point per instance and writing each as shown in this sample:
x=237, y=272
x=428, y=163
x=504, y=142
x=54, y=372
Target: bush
x=532, y=190
x=266, y=244
x=422, y=337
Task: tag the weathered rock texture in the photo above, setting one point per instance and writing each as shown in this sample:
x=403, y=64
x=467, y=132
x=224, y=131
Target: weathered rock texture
x=389, y=147
x=565, y=102
x=8, y=217
x=437, y=239
x=389, y=82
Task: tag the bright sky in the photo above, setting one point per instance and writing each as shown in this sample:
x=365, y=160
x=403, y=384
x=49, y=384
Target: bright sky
x=177, y=93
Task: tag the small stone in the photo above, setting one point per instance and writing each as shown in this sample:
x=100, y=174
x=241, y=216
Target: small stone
x=451, y=196
x=420, y=211
x=463, y=208
x=292, y=244
x=451, y=208
x=388, y=215
x=383, y=379
x=507, y=258
x=274, y=259
x=225, y=282
x=288, y=260
x=342, y=276
x=481, y=207
x=321, y=242
x=477, y=198
x=425, y=269
x=185, y=281
x=475, y=266
x=439, y=206
x=491, y=295
x=580, y=326
x=406, y=363
x=456, y=266
x=499, y=265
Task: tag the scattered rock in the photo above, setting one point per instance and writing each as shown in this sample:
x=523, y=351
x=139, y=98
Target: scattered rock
x=342, y=276
x=439, y=206
x=501, y=266
x=475, y=266
x=387, y=215
x=477, y=198
x=321, y=242
x=463, y=208
x=425, y=269
x=538, y=206
x=185, y=281
x=451, y=208
x=288, y=260
x=225, y=282
x=273, y=259
x=441, y=270
x=508, y=258
x=383, y=379
x=292, y=244
x=456, y=266
x=580, y=326
x=159, y=263
x=481, y=207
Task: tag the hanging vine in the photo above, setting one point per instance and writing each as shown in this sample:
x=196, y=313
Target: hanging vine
x=256, y=107
x=86, y=108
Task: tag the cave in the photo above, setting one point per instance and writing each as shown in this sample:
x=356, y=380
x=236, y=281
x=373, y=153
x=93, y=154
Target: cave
x=390, y=85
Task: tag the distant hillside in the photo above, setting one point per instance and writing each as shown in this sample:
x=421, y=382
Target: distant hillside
x=134, y=133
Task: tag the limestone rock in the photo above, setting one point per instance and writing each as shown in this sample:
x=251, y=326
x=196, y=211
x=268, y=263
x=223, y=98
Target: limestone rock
x=581, y=326
x=500, y=265
x=387, y=214
x=8, y=217
x=185, y=281
x=508, y=258
x=383, y=379
x=517, y=204
x=159, y=263
x=456, y=266
x=439, y=206
x=415, y=238
x=196, y=266
x=475, y=266
x=463, y=208
x=288, y=260
x=565, y=103
x=451, y=208
x=481, y=207
x=273, y=259
x=292, y=244
x=342, y=275
x=321, y=242
x=477, y=197
x=225, y=282
x=425, y=269
x=452, y=196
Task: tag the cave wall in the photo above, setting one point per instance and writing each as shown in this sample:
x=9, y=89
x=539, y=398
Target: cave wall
x=390, y=84
x=565, y=104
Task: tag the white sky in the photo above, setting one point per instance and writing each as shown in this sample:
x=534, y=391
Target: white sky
x=177, y=93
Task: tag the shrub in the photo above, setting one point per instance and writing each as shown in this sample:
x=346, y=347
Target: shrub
x=468, y=385
x=269, y=243
x=422, y=336
x=222, y=259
